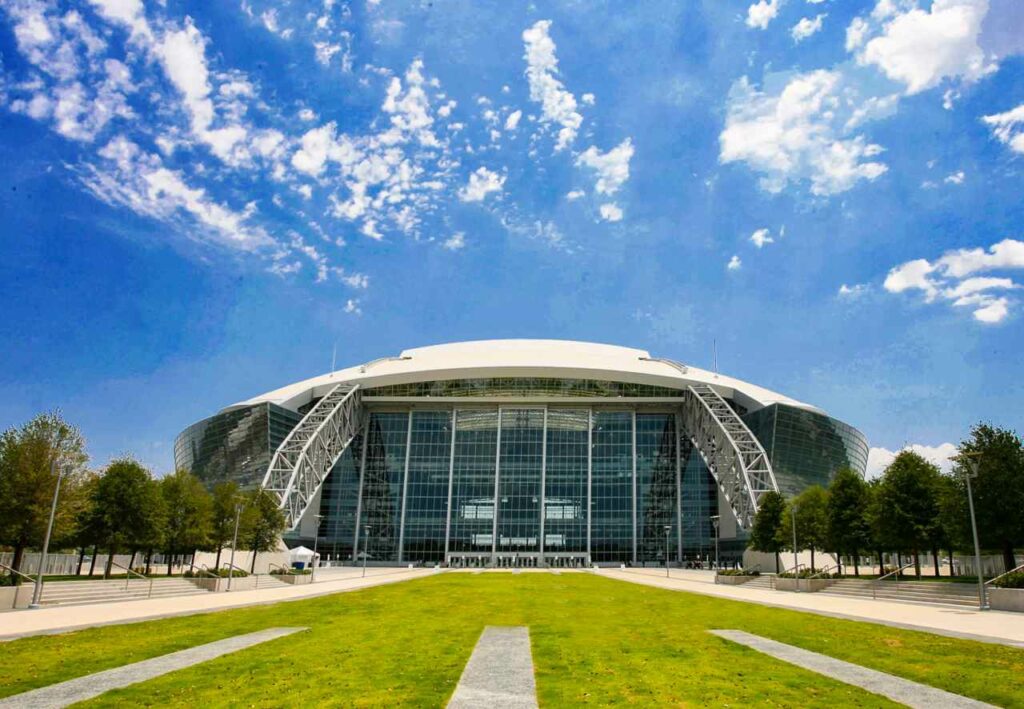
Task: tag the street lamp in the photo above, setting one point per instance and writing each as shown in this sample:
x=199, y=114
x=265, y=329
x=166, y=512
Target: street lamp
x=715, y=519
x=316, y=538
x=366, y=545
x=38, y=591
x=668, y=530
x=235, y=544
x=971, y=461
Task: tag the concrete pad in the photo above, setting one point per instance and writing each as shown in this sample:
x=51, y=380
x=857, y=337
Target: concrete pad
x=904, y=691
x=81, y=688
x=499, y=674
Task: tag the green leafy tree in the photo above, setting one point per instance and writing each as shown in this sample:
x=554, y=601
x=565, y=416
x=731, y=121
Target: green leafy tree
x=226, y=500
x=31, y=458
x=764, y=533
x=848, y=530
x=998, y=489
x=263, y=521
x=811, y=521
x=127, y=509
x=189, y=510
x=907, y=509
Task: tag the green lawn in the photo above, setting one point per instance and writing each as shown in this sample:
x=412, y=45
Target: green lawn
x=595, y=641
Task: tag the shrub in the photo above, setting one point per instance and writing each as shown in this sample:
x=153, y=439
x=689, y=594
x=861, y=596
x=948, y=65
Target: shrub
x=1014, y=580
x=807, y=573
x=739, y=572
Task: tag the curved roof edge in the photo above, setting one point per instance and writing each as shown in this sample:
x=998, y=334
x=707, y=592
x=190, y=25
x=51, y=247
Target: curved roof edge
x=524, y=358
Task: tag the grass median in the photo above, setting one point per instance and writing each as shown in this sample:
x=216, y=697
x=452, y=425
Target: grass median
x=595, y=640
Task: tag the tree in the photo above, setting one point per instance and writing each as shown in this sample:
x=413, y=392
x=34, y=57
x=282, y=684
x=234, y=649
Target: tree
x=263, y=522
x=848, y=529
x=998, y=489
x=811, y=521
x=31, y=458
x=907, y=509
x=127, y=509
x=189, y=514
x=226, y=499
x=764, y=533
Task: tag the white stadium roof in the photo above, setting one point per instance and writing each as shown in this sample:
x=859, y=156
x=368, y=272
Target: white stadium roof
x=525, y=358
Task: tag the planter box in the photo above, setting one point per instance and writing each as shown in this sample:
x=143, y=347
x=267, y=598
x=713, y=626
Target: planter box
x=12, y=597
x=806, y=585
x=296, y=579
x=1006, y=599
x=733, y=580
x=239, y=583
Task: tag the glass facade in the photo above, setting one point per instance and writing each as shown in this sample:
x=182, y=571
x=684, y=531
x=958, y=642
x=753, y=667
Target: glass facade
x=611, y=501
x=656, y=485
x=426, y=496
x=565, y=480
x=806, y=448
x=523, y=386
x=234, y=445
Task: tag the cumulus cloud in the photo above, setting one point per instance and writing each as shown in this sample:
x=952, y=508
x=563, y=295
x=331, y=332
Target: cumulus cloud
x=611, y=168
x=1008, y=128
x=610, y=212
x=951, y=278
x=734, y=263
x=956, y=178
x=880, y=458
x=481, y=183
x=574, y=195
x=761, y=237
x=806, y=27
x=512, y=121
x=455, y=242
x=796, y=133
x=853, y=292
x=762, y=12
x=558, y=105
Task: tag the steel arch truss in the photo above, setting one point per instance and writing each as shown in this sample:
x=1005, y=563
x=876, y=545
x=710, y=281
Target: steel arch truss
x=732, y=453
x=303, y=460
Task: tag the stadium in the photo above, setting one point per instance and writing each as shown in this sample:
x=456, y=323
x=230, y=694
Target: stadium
x=522, y=453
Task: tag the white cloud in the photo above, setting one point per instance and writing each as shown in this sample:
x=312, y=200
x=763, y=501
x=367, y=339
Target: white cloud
x=558, y=105
x=795, y=134
x=806, y=27
x=947, y=278
x=854, y=291
x=734, y=263
x=588, y=99
x=352, y=307
x=880, y=458
x=761, y=237
x=1008, y=127
x=956, y=178
x=513, y=120
x=319, y=145
x=573, y=195
x=455, y=242
x=610, y=212
x=481, y=183
x=762, y=12
x=920, y=48
x=856, y=33
x=307, y=114
x=611, y=168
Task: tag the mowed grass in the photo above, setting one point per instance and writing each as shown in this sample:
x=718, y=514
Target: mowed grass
x=595, y=641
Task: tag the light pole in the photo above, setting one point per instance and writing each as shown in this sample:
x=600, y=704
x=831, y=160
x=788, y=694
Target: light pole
x=234, y=543
x=316, y=538
x=971, y=460
x=715, y=519
x=38, y=591
x=668, y=530
x=366, y=544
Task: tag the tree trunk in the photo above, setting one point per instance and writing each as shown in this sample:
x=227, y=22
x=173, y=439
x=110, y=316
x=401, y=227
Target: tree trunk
x=917, y=564
x=880, y=564
x=952, y=571
x=170, y=561
x=19, y=554
x=216, y=564
x=149, y=559
x=131, y=560
x=92, y=562
x=899, y=565
x=856, y=565
x=935, y=560
x=1009, y=561
x=110, y=561
x=812, y=560
x=81, y=558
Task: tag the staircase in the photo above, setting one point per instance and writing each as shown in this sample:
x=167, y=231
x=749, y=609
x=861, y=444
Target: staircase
x=950, y=594
x=100, y=591
x=763, y=582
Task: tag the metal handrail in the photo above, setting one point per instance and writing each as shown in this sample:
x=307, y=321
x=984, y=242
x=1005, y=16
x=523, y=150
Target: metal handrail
x=874, y=584
x=823, y=571
x=15, y=571
x=206, y=570
x=794, y=569
x=237, y=568
x=128, y=577
x=1005, y=573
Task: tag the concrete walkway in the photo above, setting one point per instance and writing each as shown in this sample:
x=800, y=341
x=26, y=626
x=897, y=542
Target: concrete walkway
x=499, y=674
x=986, y=626
x=912, y=694
x=79, y=689
x=60, y=619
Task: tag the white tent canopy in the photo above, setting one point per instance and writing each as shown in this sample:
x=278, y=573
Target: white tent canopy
x=301, y=554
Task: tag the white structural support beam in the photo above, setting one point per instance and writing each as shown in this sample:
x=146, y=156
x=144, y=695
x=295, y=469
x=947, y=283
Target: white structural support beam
x=729, y=449
x=304, y=459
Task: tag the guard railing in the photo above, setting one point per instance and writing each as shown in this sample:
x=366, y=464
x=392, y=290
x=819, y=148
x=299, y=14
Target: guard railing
x=874, y=584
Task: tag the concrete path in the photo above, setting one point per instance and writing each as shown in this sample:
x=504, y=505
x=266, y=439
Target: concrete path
x=499, y=674
x=1000, y=627
x=912, y=694
x=78, y=690
x=60, y=619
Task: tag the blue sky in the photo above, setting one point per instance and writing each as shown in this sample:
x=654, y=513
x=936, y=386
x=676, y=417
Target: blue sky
x=202, y=201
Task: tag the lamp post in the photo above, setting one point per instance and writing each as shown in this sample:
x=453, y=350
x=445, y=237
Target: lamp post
x=971, y=461
x=234, y=544
x=715, y=519
x=366, y=544
x=668, y=530
x=316, y=538
x=38, y=591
